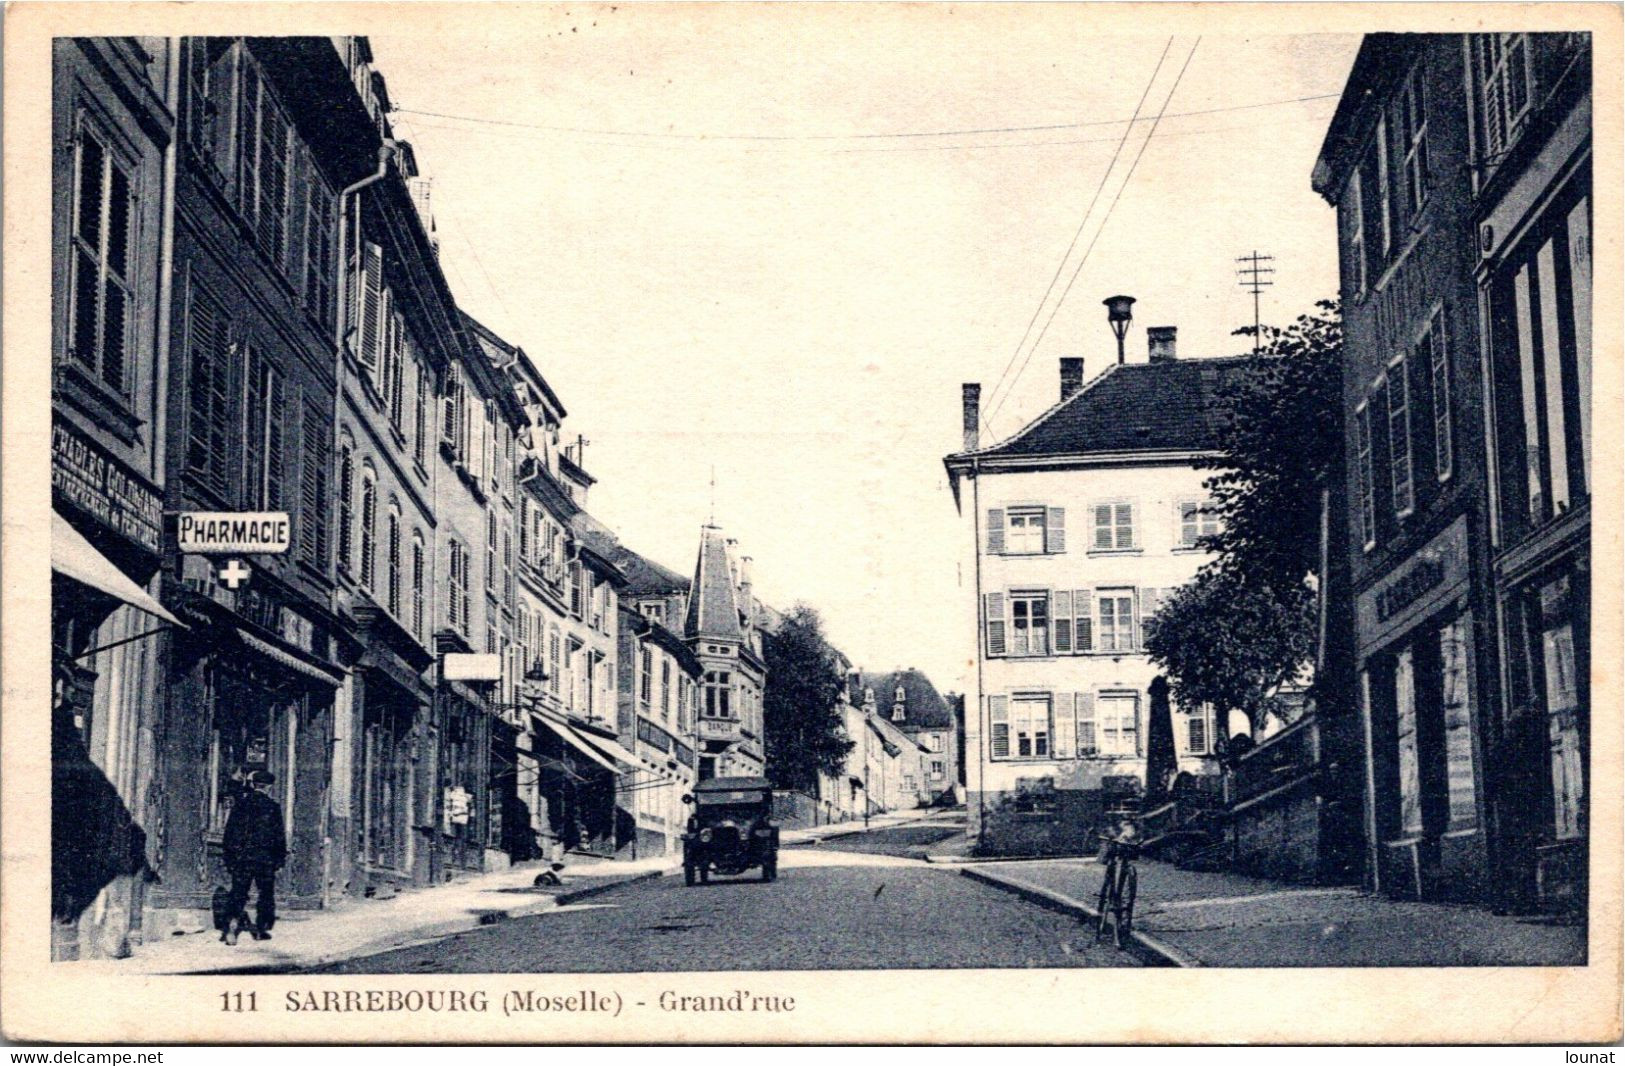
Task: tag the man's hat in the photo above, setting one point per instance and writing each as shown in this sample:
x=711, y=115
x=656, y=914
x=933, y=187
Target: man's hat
x=262, y=777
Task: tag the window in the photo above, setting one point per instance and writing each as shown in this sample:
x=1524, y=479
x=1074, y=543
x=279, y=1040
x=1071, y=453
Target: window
x=104, y=217
x=457, y=598
x=555, y=661
x=578, y=588
x=1365, y=476
x=1116, y=629
x=369, y=527
x=1026, y=535
x=1117, y=714
x=264, y=426
x=1114, y=526
x=718, y=688
x=313, y=500
x=936, y=769
x=212, y=358
x=1357, y=252
x=1541, y=323
x=1088, y=736
x=1199, y=730
x=210, y=85
x=1460, y=777
x=1555, y=608
x=1029, y=623
x=1399, y=437
x=420, y=416
x=490, y=551
x=1197, y=519
x=646, y=669
x=346, y=485
x=507, y=566
x=933, y=741
x=1385, y=211
x=1410, y=778
x=1437, y=351
x=390, y=377
x=655, y=612
x=393, y=548
x=1408, y=120
x=1502, y=61
x=418, y=579
x=665, y=689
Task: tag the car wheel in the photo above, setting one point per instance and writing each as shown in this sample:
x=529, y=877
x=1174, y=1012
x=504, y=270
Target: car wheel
x=688, y=874
x=770, y=870
x=705, y=876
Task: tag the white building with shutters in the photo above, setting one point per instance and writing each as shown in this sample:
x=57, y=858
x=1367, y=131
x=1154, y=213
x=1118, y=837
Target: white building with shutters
x=1081, y=523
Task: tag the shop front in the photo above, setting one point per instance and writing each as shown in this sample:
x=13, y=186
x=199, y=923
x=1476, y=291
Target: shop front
x=251, y=686
x=1421, y=706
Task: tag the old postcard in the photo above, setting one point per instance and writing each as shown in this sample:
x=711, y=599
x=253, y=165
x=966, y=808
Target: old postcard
x=805, y=523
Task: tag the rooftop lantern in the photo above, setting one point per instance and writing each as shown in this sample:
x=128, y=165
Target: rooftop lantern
x=1119, y=313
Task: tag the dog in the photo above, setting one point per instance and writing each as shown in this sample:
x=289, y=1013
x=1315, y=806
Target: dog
x=224, y=920
x=549, y=878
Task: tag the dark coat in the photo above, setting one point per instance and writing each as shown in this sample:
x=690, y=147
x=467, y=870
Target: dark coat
x=254, y=835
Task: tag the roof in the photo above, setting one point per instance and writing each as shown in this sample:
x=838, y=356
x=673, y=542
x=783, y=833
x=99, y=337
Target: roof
x=713, y=609
x=644, y=576
x=1382, y=60
x=923, y=705
x=503, y=354
x=1131, y=407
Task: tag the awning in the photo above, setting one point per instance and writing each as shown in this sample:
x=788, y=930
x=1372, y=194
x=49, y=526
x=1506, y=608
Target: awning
x=571, y=737
x=614, y=749
x=292, y=662
x=74, y=556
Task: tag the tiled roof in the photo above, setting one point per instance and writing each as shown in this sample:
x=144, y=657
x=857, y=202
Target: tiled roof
x=923, y=706
x=713, y=610
x=1131, y=407
x=646, y=577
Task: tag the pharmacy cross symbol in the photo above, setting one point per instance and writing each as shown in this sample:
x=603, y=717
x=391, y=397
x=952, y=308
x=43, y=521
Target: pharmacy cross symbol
x=234, y=573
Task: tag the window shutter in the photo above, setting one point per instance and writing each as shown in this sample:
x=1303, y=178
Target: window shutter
x=276, y=427
x=995, y=531
x=1103, y=527
x=371, y=296
x=1085, y=704
x=1055, y=531
x=1125, y=525
x=1147, y=607
x=998, y=713
x=1084, y=633
x=1061, y=620
x=995, y=624
x=1064, y=734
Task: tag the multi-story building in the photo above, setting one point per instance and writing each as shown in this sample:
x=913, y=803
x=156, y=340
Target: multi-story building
x=254, y=325
x=1459, y=166
x=721, y=628
x=908, y=700
x=112, y=121
x=659, y=679
x=1078, y=525
x=1530, y=97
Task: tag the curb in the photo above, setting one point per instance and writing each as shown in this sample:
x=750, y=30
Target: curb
x=973, y=860
x=423, y=934
x=1157, y=950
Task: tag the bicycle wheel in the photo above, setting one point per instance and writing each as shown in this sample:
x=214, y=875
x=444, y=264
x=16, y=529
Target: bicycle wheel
x=1131, y=887
x=1103, y=905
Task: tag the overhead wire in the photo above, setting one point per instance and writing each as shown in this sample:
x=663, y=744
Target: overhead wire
x=900, y=134
x=1102, y=227
x=1082, y=222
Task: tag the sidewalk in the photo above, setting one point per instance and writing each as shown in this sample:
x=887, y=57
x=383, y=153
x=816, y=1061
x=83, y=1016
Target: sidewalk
x=1186, y=918
x=358, y=928
x=836, y=830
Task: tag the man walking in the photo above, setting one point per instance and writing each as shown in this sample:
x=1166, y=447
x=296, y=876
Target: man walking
x=255, y=848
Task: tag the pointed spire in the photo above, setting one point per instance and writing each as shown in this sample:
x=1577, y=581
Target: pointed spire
x=713, y=609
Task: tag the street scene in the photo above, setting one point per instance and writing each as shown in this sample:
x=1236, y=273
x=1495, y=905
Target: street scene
x=558, y=505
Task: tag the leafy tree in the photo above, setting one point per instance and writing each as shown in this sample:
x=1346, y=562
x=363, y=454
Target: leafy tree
x=1247, y=624
x=805, y=733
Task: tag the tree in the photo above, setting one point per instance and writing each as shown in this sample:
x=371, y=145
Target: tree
x=1247, y=624
x=805, y=733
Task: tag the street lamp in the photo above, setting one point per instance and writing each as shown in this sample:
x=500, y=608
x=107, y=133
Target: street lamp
x=1119, y=313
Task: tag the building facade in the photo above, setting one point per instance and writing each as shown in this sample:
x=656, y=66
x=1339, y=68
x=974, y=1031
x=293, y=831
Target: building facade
x=721, y=628
x=1078, y=526
x=908, y=700
x=111, y=215
x=1446, y=365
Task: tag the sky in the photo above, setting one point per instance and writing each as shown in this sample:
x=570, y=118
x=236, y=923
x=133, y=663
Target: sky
x=755, y=256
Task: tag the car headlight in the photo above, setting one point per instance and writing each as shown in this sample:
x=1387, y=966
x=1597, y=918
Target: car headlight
x=764, y=832
x=705, y=836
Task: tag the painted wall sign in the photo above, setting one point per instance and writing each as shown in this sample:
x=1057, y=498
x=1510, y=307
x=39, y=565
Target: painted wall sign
x=85, y=477
x=237, y=532
x=1414, y=589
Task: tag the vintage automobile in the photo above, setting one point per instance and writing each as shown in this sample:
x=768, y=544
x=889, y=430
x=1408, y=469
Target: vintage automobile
x=731, y=829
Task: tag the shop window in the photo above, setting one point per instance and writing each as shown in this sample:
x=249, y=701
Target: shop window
x=1563, y=709
x=1460, y=777
x=1410, y=777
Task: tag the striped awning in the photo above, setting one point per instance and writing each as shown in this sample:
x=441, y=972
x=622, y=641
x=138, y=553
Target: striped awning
x=291, y=661
x=574, y=739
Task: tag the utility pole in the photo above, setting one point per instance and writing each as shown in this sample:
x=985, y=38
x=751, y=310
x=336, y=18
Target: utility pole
x=1255, y=277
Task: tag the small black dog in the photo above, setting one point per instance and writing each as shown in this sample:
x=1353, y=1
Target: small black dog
x=550, y=877
x=220, y=904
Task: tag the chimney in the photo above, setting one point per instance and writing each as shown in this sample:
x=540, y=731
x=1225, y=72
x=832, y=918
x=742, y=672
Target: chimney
x=1071, y=376
x=971, y=400
x=1160, y=341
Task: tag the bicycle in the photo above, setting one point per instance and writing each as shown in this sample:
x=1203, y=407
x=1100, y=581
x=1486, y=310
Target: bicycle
x=1117, y=889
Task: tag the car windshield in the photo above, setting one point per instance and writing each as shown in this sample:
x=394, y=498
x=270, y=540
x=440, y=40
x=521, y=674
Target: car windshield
x=715, y=799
